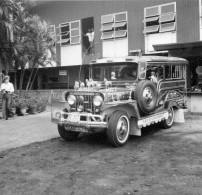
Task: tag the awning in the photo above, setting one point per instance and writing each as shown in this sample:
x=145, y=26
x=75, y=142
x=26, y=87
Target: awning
x=184, y=50
x=173, y=46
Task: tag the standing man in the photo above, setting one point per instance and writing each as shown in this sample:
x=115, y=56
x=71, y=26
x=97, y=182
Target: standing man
x=90, y=36
x=7, y=89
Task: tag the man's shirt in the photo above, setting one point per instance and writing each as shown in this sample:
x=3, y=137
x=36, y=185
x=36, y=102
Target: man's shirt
x=8, y=87
x=90, y=36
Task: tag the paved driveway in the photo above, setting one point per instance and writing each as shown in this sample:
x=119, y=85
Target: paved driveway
x=28, y=129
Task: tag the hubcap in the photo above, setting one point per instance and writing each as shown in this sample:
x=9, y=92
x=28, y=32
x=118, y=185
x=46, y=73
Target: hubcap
x=148, y=95
x=122, y=129
x=169, y=121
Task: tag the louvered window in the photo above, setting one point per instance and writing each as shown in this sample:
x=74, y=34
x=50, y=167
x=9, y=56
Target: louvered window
x=161, y=18
x=114, y=26
x=70, y=33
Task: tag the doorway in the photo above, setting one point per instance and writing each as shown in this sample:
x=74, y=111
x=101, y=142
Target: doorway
x=86, y=24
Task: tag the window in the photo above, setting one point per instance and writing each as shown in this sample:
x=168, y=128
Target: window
x=161, y=18
x=114, y=26
x=70, y=33
x=173, y=72
x=120, y=72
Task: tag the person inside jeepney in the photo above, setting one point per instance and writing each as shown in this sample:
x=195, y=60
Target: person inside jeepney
x=113, y=76
x=153, y=77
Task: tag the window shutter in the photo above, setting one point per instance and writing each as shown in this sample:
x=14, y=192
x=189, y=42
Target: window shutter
x=107, y=19
x=75, y=25
x=151, y=29
x=167, y=17
x=167, y=8
x=152, y=11
x=167, y=27
x=75, y=40
x=152, y=19
x=120, y=17
x=120, y=24
x=120, y=33
x=75, y=32
x=106, y=27
x=107, y=35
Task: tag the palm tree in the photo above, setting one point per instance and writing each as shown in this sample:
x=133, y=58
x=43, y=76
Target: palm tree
x=6, y=35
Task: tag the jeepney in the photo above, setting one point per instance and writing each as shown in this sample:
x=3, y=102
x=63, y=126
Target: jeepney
x=123, y=95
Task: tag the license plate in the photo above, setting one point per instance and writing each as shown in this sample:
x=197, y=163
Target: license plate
x=77, y=129
x=73, y=118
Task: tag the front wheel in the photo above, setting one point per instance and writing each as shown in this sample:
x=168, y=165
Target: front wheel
x=168, y=122
x=118, y=128
x=67, y=135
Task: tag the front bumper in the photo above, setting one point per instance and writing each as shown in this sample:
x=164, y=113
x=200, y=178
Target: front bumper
x=78, y=119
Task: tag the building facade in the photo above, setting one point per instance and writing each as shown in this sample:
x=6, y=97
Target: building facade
x=120, y=27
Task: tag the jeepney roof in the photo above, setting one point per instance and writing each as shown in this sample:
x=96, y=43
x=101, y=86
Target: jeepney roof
x=137, y=59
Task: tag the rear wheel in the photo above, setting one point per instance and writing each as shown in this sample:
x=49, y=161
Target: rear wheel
x=118, y=128
x=169, y=122
x=67, y=135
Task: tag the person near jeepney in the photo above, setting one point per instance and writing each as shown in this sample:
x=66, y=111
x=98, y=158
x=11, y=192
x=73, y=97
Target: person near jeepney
x=113, y=76
x=153, y=77
x=7, y=89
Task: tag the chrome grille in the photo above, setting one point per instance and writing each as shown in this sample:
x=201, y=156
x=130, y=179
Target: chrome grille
x=87, y=103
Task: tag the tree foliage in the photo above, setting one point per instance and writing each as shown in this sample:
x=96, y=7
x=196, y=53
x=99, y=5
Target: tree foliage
x=30, y=39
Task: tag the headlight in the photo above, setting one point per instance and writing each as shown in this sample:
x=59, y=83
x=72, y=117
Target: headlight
x=71, y=99
x=97, y=100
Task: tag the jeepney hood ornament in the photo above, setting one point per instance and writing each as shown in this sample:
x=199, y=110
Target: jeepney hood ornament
x=111, y=91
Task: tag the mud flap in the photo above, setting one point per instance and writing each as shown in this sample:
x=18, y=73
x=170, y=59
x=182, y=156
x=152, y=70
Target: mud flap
x=134, y=130
x=179, y=116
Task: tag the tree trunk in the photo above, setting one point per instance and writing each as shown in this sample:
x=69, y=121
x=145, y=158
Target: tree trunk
x=32, y=71
x=15, y=80
x=21, y=79
x=1, y=65
x=33, y=78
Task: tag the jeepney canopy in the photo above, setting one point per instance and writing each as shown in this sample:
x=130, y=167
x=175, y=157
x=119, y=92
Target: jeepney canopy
x=150, y=59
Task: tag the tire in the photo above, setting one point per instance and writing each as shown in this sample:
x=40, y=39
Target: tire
x=146, y=96
x=67, y=135
x=118, y=128
x=168, y=122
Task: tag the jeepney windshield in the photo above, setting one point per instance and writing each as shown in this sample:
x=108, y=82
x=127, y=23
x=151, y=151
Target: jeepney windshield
x=127, y=71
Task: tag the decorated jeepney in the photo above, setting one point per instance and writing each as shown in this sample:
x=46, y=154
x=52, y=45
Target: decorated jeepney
x=123, y=95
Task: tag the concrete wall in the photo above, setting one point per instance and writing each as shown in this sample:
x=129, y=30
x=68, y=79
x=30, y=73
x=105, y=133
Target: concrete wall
x=64, y=11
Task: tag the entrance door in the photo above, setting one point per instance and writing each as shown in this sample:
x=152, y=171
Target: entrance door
x=87, y=24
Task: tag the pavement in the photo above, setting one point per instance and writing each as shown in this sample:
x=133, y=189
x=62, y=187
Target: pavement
x=24, y=130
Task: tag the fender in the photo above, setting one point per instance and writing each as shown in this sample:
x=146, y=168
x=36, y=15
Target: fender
x=171, y=104
x=130, y=108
